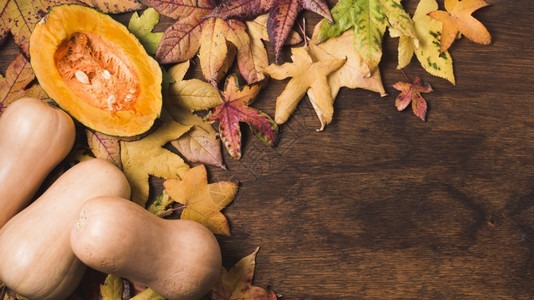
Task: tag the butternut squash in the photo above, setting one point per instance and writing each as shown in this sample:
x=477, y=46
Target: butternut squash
x=178, y=259
x=36, y=259
x=34, y=138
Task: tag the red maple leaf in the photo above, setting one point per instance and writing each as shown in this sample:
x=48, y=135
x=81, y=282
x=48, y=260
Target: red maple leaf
x=411, y=92
x=282, y=14
x=234, y=109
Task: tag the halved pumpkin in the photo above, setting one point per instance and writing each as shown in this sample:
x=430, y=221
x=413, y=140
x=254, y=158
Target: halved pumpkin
x=96, y=70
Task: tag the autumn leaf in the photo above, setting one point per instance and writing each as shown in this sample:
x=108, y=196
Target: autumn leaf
x=282, y=15
x=159, y=206
x=146, y=157
x=428, y=52
x=203, y=202
x=104, y=146
x=458, y=18
x=142, y=26
x=193, y=94
x=411, y=92
x=112, y=288
x=235, y=109
x=306, y=75
x=354, y=73
x=17, y=83
x=200, y=144
x=368, y=20
x=237, y=282
x=20, y=16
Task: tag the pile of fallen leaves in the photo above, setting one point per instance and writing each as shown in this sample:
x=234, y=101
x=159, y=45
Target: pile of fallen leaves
x=344, y=50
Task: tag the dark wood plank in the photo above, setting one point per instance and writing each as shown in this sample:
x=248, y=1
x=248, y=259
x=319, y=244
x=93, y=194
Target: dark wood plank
x=382, y=204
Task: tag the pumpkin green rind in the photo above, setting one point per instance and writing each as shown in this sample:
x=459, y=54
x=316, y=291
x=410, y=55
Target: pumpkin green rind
x=96, y=70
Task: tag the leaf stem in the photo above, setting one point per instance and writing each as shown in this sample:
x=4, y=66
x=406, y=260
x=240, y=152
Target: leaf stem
x=405, y=76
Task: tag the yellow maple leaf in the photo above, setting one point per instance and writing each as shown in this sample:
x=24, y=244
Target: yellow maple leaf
x=306, y=74
x=146, y=157
x=203, y=202
x=458, y=18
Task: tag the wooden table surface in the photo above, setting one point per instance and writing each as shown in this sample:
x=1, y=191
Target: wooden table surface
x=381, y=204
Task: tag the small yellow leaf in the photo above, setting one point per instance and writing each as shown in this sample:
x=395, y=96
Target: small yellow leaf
x=193, y=94
x=146, y=157
x=112, y=288
x=203, y=202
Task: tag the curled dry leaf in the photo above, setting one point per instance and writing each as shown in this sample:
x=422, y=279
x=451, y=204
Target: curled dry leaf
x=411, y=93
x=237, y=282
x=14, y=85
x=203, y=202
x=458, y=18
x=306, y=74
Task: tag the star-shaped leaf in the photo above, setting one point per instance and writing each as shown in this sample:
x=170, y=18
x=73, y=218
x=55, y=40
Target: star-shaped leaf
x=237, y=282
x=235, y=109
x=368, y=20
x=282, y=15
x=411, y=93
x=146, y=157
x=458, y=18
x=306, y=74
x=428, y=51
x=15, y=84
x=20, y=16
x=203, y=202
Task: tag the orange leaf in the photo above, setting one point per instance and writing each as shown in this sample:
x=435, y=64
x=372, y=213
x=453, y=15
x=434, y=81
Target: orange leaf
x=458, y=18
x=411, y=92
x=202, y=201
x=237, y=282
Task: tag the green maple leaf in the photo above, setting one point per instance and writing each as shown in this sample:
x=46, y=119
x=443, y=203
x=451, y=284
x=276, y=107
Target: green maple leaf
x=369, y=20
x=142, y=26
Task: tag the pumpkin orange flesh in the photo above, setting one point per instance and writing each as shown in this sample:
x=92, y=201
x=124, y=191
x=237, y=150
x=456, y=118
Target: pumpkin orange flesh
x=96, y=70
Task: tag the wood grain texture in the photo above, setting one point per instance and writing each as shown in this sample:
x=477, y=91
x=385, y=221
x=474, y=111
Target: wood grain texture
x=383, y=205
